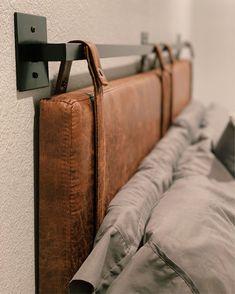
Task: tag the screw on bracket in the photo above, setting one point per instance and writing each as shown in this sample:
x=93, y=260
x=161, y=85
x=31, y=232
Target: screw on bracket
x=35, y=75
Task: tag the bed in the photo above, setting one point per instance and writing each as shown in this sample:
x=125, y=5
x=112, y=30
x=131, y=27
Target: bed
x=98, y=147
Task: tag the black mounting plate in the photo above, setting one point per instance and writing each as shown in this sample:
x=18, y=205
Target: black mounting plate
x=30, y=29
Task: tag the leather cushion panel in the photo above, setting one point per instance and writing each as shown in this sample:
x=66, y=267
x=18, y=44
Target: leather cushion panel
x=181, y=85
x=66, y=209
x=132, y=123
x=132, y=114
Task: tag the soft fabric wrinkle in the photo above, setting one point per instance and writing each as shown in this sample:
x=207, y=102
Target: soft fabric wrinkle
x=198, y=159
x=149, y=273
x=194, y=222
x=193, y=227
x=123, y=228
x=110, y=252
x=191, y=115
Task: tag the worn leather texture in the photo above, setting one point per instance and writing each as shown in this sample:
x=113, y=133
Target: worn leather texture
x=91, y=142
x=69, y=211
x=66, y=205
x=132, y=122
x=181, y=85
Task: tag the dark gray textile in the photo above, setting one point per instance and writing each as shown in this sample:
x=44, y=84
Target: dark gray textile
x=215, y=121
x=198, y=159
x=225, y=149
x=188, y=117
x=122, y=230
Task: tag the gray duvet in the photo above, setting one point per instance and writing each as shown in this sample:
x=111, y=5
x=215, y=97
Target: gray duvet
x=190, y=237
x=171, y=229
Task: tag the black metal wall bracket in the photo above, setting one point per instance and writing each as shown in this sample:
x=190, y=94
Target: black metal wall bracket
x=30, y=29
x=33, y=52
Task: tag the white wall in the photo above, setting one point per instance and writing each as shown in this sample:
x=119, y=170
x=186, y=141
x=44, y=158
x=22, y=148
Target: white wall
x=102, y=21
x=213, y=36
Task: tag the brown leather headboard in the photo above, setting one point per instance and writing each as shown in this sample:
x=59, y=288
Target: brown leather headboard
x=181, y=85
x=68, y=210
x=91, y=142
x=132, y=122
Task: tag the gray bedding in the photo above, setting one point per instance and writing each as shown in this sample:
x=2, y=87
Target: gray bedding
x=170, y=229
x=190, y=243
x=189, y=239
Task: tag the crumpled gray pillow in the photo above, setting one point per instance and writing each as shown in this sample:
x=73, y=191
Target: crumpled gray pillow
x=191, y=118
x=225, y=149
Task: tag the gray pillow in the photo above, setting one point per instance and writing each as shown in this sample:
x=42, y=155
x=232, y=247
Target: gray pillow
x=225, y=149
x=191, y=119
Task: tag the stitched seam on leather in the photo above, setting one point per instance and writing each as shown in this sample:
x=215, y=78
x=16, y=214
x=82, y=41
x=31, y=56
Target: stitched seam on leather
x=97, y=148
x=110, y=88
x=105, y=90
x=180, y=272
x=64, y=183
x=70, y=103
x=70, y=194
x=70, y=100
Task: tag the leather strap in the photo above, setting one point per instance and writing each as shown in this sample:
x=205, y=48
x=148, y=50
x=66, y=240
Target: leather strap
x=94, y=66
x=99, y=80
x=158, y=52
x=93, y=60
x=158, y=49
x=63, y=77
x=169, y=50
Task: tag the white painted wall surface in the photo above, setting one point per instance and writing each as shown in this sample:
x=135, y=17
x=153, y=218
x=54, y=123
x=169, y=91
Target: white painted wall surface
x=102, y=21
x=213, y=36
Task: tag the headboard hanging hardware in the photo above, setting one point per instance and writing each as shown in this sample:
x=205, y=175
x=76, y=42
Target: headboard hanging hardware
x=33, y=52
x=183, y=46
